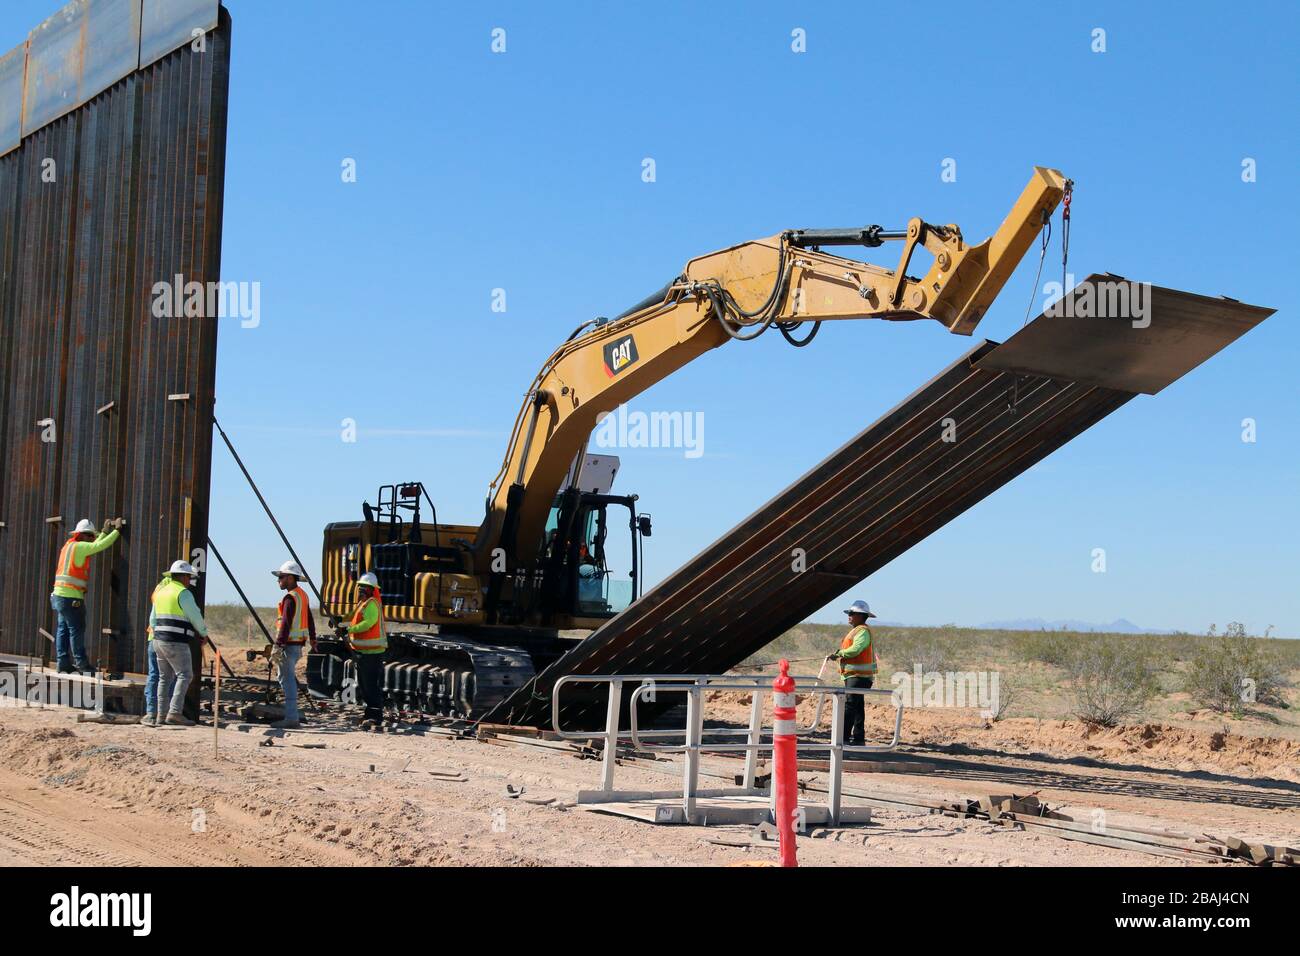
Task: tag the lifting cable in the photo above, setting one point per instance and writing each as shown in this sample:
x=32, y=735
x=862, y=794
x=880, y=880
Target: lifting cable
x=1067, y=196
x=1046, y=234
x=1065, y=231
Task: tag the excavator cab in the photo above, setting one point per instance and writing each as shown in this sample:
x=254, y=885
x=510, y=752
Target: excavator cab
x=590, y=559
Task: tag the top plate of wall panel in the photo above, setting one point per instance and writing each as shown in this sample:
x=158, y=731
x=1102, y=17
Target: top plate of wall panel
x=168, y=24
x=12, y=65
x=1128, y=335
x=80, y=51
x=86, y=47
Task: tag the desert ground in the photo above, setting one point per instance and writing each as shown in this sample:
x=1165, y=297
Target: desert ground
x=74, y=793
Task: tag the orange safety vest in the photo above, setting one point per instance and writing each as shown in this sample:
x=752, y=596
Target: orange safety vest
x=372, y=641
x=69, y=573
x=860, y=665
x=299, y=630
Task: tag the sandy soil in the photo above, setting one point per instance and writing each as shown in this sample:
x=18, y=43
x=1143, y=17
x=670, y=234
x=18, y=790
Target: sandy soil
x=85, y=794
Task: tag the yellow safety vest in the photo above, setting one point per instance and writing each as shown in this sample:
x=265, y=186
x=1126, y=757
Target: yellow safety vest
x=69, y=573
x=373, y=640
x=170, y=622
x=859, y=665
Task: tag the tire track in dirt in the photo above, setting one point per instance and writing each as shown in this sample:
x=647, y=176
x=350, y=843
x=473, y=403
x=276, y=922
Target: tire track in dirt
x=53, y=826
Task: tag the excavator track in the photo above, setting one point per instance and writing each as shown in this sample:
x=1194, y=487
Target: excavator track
x=436, y=674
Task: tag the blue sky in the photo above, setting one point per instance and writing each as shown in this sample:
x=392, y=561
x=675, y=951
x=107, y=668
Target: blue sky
x=522, y=171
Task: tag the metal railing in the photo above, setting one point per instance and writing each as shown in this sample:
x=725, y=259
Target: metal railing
x=694, y=686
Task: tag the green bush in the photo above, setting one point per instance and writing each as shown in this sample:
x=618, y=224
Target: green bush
x=1230, y=671
x=231, y=620
x=1048, y=647
x=1111, y=680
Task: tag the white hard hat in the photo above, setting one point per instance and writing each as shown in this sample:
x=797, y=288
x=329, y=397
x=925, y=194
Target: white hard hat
x=290, y=567
x=859, y=607
x=182, y=567
x=84, y=526
x=369, y=580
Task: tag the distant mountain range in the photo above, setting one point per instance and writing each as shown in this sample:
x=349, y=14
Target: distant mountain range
x=1118, y=626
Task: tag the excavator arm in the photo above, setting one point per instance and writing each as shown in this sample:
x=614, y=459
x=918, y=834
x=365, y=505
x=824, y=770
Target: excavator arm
x=787, y=281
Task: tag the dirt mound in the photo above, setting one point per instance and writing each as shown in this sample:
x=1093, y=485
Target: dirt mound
x=1148, y=744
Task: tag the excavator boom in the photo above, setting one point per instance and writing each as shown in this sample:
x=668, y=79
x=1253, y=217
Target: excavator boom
x=787, y=281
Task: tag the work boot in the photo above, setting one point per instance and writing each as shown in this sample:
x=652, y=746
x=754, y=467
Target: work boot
x=287, y=724
x=179, y=720
x=149, y=720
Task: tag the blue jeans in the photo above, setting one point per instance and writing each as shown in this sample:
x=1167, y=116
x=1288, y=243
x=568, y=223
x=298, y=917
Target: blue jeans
x=289, y=680
x=70, y=635
x=151, y=683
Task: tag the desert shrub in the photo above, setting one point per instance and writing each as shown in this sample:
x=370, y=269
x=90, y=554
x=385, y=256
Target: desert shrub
x=1007, y=693
x=1049, y=647
x=1111, y=680
x=931, y=650
x=1227, y=671
x=230, y=621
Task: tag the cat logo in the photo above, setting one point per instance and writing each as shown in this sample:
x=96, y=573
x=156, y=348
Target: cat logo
x=619, y=355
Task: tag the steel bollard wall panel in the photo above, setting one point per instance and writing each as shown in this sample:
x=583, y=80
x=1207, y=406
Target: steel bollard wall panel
x=132, y=197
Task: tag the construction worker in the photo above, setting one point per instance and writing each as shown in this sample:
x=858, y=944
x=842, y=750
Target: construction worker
x=175, y=623
x=857, y=660
x=71, y=578
x=294, y=627
x=368, y=642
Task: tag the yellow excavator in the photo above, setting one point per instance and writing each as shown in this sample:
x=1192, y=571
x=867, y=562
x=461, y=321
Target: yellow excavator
x=473, y=611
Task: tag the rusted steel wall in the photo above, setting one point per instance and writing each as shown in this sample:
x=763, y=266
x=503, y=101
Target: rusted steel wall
x=133, y=198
